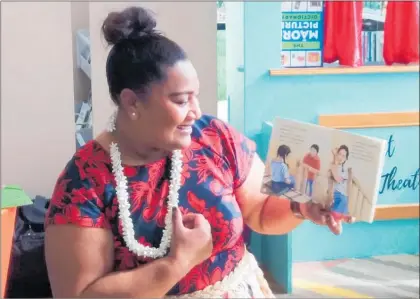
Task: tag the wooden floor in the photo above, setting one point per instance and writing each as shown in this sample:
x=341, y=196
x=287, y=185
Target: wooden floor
x=379, y=277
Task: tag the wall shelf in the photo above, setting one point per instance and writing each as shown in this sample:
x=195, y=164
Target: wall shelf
x=377, y=69
x=83, y=109
x=83, y=51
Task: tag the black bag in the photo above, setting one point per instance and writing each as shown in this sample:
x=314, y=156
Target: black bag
x=28, y=276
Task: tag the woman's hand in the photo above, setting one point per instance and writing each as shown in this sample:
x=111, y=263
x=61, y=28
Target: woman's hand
x=191, y=239
x=318, y=214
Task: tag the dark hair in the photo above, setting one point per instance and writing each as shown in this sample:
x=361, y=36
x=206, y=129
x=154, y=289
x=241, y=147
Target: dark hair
x=140, y=54
x=282, y=151
x=315, y=147
x=344, y=147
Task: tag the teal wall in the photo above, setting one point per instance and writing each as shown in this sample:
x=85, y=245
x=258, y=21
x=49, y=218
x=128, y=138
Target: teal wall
x=235, y=62
x=306, y=97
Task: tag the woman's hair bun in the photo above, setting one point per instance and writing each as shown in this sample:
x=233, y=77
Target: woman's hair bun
x=130, y=24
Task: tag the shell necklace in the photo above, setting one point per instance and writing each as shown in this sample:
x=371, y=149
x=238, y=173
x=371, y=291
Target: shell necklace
x=124, y=201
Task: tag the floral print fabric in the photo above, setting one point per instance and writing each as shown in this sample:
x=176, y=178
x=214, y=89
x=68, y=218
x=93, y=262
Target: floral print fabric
x=215, y=165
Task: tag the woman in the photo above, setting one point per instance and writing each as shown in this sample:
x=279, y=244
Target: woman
x=155, y=206
x=281, y=180
x=340, y=182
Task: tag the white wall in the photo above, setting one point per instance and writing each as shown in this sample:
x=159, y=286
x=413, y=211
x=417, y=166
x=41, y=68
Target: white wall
x=40, y=81
x=37, y=118
x=191, y=24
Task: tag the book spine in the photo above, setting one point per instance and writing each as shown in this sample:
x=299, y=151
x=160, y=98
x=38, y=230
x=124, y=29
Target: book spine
x=378, y=182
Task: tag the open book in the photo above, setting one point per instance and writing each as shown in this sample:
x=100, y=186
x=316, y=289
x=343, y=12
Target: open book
x=338, y=169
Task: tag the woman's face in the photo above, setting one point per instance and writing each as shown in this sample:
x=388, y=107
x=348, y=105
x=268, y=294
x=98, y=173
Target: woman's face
x=342, y=156
x=166, y=117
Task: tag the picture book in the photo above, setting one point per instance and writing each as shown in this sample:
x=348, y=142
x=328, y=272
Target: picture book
x=338, y=169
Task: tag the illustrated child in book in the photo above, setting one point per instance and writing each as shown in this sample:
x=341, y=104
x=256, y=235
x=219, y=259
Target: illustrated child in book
x=312, y=163
x=282, y=181
x=340, y=182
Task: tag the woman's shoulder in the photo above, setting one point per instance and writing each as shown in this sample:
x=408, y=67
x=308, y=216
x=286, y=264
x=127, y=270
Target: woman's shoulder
x=79, y=192
x=222, y=144
x=207, y=122
x=209, y=131
x=86, y=162
x=220, y=136
x=212, y=128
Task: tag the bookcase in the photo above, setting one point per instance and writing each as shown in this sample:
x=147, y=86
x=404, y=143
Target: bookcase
x=83, y=108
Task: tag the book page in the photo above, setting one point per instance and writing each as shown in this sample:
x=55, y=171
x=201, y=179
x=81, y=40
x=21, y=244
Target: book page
x=363, y=159
x=338, y=169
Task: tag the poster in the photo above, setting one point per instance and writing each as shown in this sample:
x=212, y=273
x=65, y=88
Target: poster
x=302, y=33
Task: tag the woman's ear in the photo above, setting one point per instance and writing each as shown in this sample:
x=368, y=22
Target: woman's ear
x=129, y=103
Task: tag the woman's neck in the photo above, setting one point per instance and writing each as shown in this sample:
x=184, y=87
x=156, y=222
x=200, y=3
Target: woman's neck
x=130, y=155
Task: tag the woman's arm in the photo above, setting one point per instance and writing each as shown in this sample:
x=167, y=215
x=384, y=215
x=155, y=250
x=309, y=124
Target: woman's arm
x=262, y=213
x=335, y=173
x=80, y=262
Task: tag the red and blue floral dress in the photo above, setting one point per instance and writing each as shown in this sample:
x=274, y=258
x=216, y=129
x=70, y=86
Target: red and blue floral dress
x=214, y=166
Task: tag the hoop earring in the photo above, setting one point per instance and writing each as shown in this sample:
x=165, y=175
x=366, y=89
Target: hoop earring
x=111, y=122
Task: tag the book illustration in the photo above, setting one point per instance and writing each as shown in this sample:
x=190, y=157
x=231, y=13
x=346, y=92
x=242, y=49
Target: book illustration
x=313, y=58
x=338, y=169
x=285, y=58
x=298, y=58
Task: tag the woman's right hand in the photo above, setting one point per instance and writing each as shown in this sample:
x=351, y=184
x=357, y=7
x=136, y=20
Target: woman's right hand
x=191, y=239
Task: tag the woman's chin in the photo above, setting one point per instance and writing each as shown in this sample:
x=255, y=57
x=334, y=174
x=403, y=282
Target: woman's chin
x=181, y=143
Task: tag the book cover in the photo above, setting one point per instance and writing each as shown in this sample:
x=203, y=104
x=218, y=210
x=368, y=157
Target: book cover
x=338, y=169
x=302, y=33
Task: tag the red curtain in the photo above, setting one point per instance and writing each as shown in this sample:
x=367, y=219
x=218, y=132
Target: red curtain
x=401, y=32
x=343, y=25
x=330, y=15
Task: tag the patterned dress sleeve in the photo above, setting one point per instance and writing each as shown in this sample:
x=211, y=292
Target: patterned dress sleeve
x=239, y=152
x=75, y=199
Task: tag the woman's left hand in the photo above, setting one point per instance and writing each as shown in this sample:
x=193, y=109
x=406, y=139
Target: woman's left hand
x=318, y=214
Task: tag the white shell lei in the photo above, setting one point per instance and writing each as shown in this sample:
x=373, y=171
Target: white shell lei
x=124, y=201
